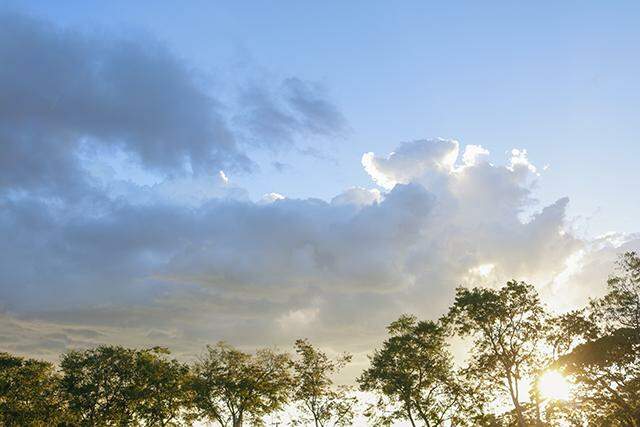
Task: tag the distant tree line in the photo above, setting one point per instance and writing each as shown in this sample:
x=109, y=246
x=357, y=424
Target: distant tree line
x=513, y=341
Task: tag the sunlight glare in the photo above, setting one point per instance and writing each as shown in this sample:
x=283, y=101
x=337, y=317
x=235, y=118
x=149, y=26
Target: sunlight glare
x=482, y=270
x=552, y=385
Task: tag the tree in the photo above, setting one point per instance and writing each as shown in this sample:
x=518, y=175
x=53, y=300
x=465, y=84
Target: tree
x=567, y=330
x=162, y=387
x=230, y=386
x=508, y=327
x=412, y=375
x=607, y=374
x=100, y=385
x=563, y=333
x=29, y=393
x=318, y=400
x=620, y=307
x=113, y=385
x=606, y=367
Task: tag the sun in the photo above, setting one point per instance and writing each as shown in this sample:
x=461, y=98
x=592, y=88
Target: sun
x=552, y=385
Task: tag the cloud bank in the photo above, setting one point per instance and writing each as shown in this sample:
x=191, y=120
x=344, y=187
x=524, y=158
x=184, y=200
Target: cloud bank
x=65, y=94
x=190, y=259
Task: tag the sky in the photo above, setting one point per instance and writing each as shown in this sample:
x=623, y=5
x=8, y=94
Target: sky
x=177, y=173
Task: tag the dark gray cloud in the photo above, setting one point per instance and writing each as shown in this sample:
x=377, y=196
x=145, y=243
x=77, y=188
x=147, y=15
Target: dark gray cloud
x=60, y=89
x=63, y=92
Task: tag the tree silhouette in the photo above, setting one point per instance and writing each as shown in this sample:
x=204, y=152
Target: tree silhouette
x=606, y=367
x=508, y=327
x=412, y=375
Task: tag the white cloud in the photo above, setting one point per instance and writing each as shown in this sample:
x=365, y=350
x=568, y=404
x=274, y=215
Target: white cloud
x=520, y=162
x=358, y=196
x=474, y=154
x=223, y=177
x=411, y=160
x=298, y=319
x=482, y=270
x=227, y=268
x=271, y=197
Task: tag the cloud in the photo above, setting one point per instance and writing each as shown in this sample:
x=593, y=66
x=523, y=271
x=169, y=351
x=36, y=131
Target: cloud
x=411, y=160
x=474, y=154
x=174, y=251
x=316, y=114
x=265, y=272
x=60, y=89
x=358, y=196
x=277, y=117
x=66, y=94
x=271, y=197
x=280, y=167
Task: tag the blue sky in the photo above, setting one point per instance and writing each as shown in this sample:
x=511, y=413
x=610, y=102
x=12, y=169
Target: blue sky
x=556, y=78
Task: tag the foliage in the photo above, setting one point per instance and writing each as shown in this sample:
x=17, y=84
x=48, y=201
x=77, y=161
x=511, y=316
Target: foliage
x=29, y=393
x=163, y=387
x=412, y=374
x=514, y=340
x=318, y=400
x=606, y=367
x=569, y=329
x=99, y=385
x=230, y=386
x=508, y=326
x=620, y=307
x=112, y=385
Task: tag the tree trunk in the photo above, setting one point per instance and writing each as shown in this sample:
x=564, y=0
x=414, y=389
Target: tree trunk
x=516, y=403
x=537, y=403
x=408, y=409
x=237, y=420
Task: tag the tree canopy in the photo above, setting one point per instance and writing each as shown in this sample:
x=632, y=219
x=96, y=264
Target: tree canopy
x=230, y=386
x=508, y=326
x=319, y=401
x=513, y=342
x=412, y=375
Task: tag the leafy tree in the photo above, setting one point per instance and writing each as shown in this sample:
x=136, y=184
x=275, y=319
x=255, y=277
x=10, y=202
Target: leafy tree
x=318, y=400
x=564, y=333
x=606, y=367
x=100, y=385
x=567, y=330
x=230, y=386
x=412, y=375
x=162, y=387
x=565, y=413
x=620, y=307
x=607, y=374
x=29, y=393
x=508, y=326
x=112, y=385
